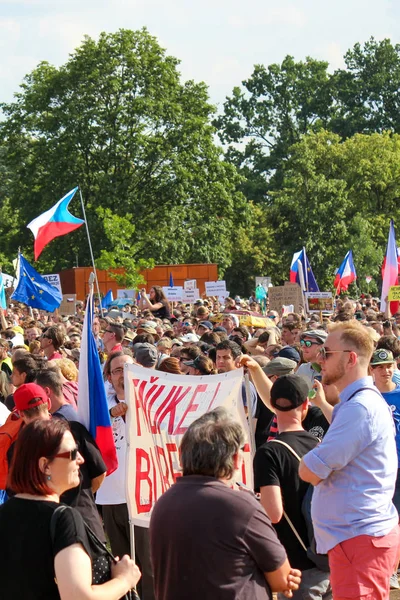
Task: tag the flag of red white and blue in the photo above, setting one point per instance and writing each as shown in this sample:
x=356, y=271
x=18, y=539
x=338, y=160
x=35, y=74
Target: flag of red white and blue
x=92, y=402
x=54, y=222
x=346, y=274
x=390, y=271
x=310, y=283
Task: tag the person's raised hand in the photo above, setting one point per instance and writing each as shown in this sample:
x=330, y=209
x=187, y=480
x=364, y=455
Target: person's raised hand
x=249, y=363
x=119, y=410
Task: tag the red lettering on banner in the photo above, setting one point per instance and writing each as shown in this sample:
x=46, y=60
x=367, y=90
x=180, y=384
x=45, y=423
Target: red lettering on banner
x=171, y=448
x=158, y=390
x=215, y=395
x=139, y=401
x=164, y=474
x=171, y=407
x=191, y=407
x=164, y=403
x=154, y=474
x=143, y=476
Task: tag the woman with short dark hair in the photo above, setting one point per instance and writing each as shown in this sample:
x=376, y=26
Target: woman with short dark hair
x=36, y=562
x=156, y=301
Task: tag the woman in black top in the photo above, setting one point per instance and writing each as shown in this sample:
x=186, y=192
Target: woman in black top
x=38, y=565
x=156, y=301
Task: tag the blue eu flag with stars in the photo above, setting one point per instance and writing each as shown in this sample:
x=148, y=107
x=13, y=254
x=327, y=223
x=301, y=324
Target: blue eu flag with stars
x=33, y=290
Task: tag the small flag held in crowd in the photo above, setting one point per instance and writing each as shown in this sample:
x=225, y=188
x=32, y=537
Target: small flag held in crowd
x=92, y=402
x=301, y=272
x=171, y=280
x=346, y=274
x=33, y=290
x=53, y=223
x=107, y=300
x=390, y=270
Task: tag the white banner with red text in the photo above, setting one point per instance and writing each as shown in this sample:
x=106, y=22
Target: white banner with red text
x=161, y=408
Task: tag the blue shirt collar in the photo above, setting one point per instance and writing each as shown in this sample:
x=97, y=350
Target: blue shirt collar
x=353, y=387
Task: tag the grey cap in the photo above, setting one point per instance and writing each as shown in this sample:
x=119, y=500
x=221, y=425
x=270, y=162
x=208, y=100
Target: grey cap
x=319, y=335
x=145, y=354
x=280, y=366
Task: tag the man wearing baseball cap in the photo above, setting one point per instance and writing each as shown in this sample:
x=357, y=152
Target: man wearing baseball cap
x=32, y=402
x=311, y=342
x=276, y=477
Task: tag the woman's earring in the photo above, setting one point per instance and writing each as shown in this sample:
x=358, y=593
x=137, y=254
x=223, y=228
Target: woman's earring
x=48, y=477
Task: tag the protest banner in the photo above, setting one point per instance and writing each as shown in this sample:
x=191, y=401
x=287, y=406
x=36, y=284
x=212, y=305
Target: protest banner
x=394, y=293
x=215, y=288
x=68, y=305
x=54, y=280
x=131, y=294
x=319, y=301
x=284, y=295
x=174, y=294
x=161, y=408
x=265, y=282
x=190, y=284
x=190, y=295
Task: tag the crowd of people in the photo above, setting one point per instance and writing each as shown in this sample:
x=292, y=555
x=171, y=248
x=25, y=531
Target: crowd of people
x=324, y=405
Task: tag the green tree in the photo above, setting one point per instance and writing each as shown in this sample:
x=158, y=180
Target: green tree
x=117, y=120
x=268, y=114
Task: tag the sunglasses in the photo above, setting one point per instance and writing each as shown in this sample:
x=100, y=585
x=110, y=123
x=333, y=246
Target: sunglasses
x=308, y=344
x=324, y=354
x=271, y=316
x=71, y=454
x=108, y=331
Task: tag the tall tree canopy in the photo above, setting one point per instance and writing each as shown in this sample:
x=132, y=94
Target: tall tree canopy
x=116, y=120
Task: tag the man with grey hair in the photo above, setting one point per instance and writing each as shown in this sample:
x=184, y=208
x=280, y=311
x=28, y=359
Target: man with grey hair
x=207, y=539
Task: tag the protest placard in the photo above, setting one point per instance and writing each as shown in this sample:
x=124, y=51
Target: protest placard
x=161, y=408
x=174, y=294
x=319, y=301
x=126, y=294
x=215, y=288
x=54, y=280
x=394, y=293
x=284, y=295
x=276, y=298
x=265, y=282
x=190, y=295
x=190, y=284
x=68, y=305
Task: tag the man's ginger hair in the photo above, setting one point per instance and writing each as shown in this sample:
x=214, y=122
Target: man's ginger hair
x=354, y=336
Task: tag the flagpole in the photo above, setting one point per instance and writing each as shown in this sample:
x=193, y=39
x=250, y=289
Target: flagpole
x=305, y=268
x=91, y=252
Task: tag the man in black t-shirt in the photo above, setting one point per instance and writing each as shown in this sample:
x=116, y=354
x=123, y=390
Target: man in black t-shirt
x=276, y=477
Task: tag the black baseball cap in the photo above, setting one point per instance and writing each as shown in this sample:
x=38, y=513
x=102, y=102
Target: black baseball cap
x=293, y=389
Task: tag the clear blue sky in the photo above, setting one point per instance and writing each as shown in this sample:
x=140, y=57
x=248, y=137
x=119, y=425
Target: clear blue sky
x=217, y=41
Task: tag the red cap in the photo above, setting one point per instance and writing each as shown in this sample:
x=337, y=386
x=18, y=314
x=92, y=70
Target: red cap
x=29, y=395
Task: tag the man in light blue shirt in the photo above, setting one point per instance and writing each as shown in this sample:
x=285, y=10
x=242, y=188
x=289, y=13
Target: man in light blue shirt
x=354, y=471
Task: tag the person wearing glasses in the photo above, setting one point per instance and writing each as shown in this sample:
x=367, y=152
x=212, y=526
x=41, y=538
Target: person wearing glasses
x=51, y=341
x=46, y=464
x=112, y=338
x=354, y=472
x=310, y=343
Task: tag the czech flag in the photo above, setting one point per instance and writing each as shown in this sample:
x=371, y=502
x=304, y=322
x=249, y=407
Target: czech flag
x=346, y=274
x=54, y=222
x=390, y=271
x=92, y=402
x=310, y=283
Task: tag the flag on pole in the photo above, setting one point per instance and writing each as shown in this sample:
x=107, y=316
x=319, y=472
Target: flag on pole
x=3, y=301
x=346, y=274
x=53, y=223
x=390, y=270
x=171, y=280
x=92, y=402
x=309, y=279
x=33, y=290
x=107, y=300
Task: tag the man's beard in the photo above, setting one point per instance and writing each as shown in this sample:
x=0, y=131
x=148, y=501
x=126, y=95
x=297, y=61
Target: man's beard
x=335, y=375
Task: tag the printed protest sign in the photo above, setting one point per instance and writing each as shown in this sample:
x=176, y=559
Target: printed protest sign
x=190, y=295
x=215, y=288
x=68, y=305
x=161, y=408
x=394, y=293
x=131, y=294
x=53, y=280
x=190, y=284
x=320, y=301
x=174, y=294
